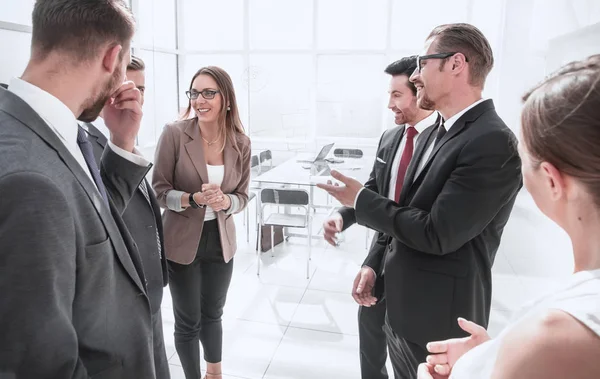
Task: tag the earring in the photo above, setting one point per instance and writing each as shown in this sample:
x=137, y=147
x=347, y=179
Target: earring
x=228, y=108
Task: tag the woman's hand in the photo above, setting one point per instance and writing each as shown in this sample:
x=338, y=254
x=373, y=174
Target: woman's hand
x=446, y=353
x=426, y=371
x=215, y=198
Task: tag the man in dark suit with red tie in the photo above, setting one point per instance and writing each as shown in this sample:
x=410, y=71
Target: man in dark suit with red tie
x=459, y=191
x=394, y=154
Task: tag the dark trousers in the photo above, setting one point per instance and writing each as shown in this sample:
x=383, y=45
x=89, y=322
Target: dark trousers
x=373, y=344
x=199, y=291
x=161, y=363
x=405, y=355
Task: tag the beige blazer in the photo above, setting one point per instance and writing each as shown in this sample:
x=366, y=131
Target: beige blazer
x=179, y=165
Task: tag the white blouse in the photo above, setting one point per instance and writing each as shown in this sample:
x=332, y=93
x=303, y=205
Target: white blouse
x=215, y=176
x=579, y=296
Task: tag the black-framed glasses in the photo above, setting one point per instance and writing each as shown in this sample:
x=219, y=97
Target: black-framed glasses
x=421, y=58
x=208, y=94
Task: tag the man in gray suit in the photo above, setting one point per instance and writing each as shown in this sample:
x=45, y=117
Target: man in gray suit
x=144, y=222
x=74, y=302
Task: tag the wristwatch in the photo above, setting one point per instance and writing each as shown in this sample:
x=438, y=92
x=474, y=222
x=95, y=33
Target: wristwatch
x=193, y=203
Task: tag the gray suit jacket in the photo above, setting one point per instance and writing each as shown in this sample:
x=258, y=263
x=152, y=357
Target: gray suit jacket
x=73, y=302
x=143, y=221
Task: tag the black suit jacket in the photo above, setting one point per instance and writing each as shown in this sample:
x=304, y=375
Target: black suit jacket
x=142, y=220
x=379, y=182
x=446, y=228
x=73, y=301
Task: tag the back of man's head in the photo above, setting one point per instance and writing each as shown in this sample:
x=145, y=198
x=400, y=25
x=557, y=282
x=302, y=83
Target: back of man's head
x=79, y=28
x=470, y=41
x=405, y=66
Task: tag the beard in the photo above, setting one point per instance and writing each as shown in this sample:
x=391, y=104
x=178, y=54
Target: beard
x=425, y=102
x=91, y=112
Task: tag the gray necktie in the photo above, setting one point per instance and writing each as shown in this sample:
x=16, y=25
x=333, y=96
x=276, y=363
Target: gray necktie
x=144, y=189
x=88, y=154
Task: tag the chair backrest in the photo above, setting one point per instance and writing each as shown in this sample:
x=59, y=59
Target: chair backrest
x=254, y=161
x=265, y=156
x=348, y=153
x=284, y=196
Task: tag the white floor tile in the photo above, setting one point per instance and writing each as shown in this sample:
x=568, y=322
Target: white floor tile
x=305, y=354
x=327, y=311
x=248, y=348
x=250, y=300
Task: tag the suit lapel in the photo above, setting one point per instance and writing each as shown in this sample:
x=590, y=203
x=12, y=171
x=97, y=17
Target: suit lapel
x=422, y=144
x=389, y=156
x=33, y=121
x=460, y=124
x=195, y=150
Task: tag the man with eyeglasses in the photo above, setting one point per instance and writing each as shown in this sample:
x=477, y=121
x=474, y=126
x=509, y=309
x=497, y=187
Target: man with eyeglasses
x=459, y=191
x=143, y=220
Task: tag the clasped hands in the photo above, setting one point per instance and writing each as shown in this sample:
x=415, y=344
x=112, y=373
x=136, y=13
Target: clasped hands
x=212, y=196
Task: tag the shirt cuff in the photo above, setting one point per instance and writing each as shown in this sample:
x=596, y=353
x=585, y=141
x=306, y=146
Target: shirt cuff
x=235, y=205
x=174, y=200
x=357, y=195
x=131, y=157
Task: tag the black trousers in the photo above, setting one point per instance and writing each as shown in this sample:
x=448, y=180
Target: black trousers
x=199, y=291
x=161, y=364
x=405, y=355
x=372, y=340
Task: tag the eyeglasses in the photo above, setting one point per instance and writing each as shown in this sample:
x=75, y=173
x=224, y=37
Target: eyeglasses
x=434, y=56
x=208, y=94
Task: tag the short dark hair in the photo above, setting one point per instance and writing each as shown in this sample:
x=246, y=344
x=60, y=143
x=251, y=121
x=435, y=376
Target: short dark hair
x=405, y=66
x=4, y=85
x=560, y=122
x=80, y=27
x=470, y=41
x=136, y=64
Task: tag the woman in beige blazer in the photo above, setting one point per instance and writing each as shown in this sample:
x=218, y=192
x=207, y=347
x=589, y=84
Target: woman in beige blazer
x=201, y=175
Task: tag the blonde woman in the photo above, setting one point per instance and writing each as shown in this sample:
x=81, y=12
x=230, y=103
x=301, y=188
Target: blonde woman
x=201, y=175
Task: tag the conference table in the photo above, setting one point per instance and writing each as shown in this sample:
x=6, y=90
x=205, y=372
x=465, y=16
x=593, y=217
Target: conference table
x=293, y=172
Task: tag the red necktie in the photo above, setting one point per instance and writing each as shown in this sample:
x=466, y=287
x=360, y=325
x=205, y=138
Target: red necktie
x=407, y=154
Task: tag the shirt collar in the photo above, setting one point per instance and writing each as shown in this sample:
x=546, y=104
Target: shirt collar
x=53, y=111
x=426, y=122
x=452, y=120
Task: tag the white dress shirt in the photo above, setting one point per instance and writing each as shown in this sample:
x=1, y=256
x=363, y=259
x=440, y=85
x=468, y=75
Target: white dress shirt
x=420, y=127
x=62, y=121
x=447, y=125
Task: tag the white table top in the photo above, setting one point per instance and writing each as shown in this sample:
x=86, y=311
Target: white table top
x=297, y=173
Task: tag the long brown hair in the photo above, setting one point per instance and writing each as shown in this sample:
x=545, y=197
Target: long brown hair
x=229, y=120
x=561, y=122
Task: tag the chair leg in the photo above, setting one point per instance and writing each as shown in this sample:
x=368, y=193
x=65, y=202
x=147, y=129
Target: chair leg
x=309, y=247
x=272, y=241
x=247, y=222
x=259, y=229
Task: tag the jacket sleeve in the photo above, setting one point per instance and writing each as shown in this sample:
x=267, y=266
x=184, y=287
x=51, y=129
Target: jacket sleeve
x=38, y=279
x=487, y=176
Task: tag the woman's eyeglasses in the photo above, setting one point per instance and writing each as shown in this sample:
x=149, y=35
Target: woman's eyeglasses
x=208, y=94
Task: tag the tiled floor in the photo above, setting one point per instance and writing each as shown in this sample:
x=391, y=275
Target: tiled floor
x=282, y=326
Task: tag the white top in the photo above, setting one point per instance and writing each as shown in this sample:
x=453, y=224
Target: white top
x=447, y=125
x=62, y=122
x=215, y=176
x=579, y=296
x=420, y=126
